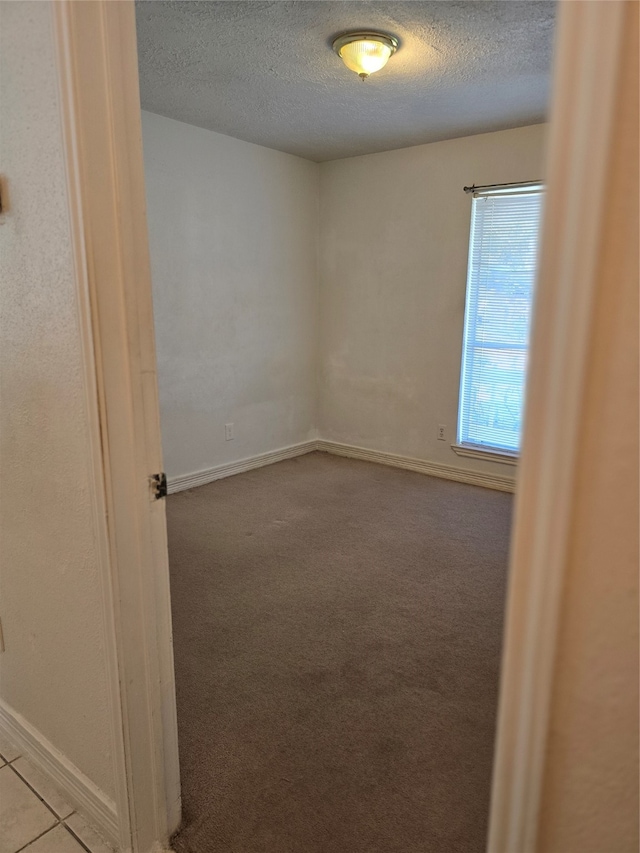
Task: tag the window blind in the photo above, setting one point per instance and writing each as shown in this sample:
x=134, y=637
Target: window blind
x=500, y=284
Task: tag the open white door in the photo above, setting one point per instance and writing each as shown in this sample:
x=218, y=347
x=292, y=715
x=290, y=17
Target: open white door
x=97, y=57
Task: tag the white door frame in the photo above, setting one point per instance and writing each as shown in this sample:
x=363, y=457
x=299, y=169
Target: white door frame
x=98, y=64
x=585, y=86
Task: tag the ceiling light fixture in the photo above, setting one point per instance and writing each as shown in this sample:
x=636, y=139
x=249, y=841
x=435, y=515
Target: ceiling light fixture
x=365, y=53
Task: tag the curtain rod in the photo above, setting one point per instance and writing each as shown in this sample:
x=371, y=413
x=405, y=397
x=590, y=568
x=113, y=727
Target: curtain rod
x=473, y=188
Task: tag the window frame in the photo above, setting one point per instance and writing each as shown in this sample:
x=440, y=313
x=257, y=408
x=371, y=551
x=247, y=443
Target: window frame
x=465, y=448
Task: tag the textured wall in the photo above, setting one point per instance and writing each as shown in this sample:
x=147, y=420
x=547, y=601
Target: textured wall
x=233, y=236
x=53, y=669
x=394, y=246
x=590, y=791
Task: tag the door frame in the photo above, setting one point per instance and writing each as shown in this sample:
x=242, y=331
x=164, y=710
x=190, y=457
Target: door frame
x=585, y=89
x=97, y=58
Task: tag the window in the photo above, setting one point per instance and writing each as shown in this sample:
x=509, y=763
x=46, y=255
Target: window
x=500, y=282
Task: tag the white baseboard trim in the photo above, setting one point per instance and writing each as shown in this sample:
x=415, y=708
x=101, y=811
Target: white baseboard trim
x=208, y=475
x=434, y=469
x=78, y=790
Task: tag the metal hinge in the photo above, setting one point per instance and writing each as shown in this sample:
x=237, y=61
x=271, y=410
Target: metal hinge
x=159, y=486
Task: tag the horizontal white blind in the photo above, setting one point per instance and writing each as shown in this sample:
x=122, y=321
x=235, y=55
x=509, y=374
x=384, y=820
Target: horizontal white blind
x=500, y=282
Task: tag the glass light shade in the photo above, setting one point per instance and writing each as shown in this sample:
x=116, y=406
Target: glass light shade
x=365, y=57
x=365, y=53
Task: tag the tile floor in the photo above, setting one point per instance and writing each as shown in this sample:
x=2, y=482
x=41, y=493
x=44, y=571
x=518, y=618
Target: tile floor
x=34, y=818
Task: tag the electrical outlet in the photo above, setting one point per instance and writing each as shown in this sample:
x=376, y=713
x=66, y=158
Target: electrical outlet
x=228, y=432
x=442, y=432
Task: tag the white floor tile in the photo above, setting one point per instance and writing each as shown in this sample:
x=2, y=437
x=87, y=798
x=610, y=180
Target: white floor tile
x=7, y=750
x=22, y=816
x=88, y=835
x=43, y=787
x=57, y=840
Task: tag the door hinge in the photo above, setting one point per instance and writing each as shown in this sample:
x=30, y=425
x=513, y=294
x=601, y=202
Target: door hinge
x=159, y=486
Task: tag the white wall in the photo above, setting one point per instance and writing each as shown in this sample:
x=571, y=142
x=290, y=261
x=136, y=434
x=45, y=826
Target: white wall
x=53, y=670
x=367, y=348
x=394, y=246
x=233, y=236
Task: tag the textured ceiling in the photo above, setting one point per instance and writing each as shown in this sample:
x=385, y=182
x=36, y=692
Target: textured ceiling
x=265, y=72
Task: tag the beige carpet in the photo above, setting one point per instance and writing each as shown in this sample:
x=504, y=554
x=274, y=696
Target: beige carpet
x=337, y=629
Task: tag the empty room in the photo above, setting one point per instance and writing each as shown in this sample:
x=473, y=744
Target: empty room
x=343, y=204
x=319, y=427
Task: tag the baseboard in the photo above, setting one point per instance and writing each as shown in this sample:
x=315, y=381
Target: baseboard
x=79, y=791
x=434, y=469
x=208, y=475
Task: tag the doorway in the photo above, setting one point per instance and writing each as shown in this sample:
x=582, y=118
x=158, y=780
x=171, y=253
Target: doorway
x=328, y=610
x=139, y=757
